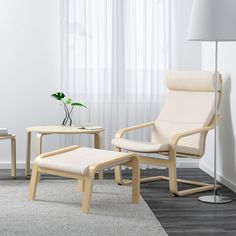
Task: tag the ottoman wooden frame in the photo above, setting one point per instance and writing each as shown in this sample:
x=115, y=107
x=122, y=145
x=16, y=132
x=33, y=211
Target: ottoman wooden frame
x=86, y=180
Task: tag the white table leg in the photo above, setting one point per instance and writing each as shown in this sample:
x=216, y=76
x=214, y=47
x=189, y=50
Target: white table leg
x=28, y=148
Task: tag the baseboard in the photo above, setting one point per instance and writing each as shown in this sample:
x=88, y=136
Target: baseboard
x=7, y=165
x=187, y=163
x=229, y=184
x=180, y=164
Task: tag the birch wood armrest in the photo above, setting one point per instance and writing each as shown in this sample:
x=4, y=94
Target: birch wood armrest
x=58, y=151
x=177, y=137
x=121, y=132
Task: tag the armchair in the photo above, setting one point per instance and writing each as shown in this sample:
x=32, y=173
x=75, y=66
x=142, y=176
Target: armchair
x=180, y=129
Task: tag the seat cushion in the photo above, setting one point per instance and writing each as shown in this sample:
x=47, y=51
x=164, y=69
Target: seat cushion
x=79, y=160
x=148, y=147
x=139, y=146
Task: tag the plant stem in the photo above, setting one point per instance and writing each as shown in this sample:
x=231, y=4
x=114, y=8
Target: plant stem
x=67, y=114
x=71, y=110
x=70, y=114
x=70, y=121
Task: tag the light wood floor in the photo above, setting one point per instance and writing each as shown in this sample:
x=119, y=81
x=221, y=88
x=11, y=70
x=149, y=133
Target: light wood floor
x=179, y=215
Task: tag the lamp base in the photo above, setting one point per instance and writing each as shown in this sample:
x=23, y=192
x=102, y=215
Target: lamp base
x=215, y=199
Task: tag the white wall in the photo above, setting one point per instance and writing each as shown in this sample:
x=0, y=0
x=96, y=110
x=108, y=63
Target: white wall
x=185, y=55
x=188, y=55
x=226, y=161
x=29, y=68
x=30, y=65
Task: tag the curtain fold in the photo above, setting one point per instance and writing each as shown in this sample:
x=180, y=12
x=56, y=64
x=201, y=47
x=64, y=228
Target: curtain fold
x=114, y=54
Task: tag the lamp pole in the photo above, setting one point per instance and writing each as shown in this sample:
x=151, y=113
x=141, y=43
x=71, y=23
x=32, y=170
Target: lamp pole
x=215, y=198
x=215, y=128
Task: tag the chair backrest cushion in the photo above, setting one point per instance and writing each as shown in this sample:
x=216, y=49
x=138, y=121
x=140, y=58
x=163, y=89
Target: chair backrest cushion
x=189, y=105
x=202, y=81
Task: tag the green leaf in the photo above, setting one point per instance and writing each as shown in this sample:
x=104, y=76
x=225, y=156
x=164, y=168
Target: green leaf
x=58, y=95
x=68, y=101
x=55, y=96
x=78, y=104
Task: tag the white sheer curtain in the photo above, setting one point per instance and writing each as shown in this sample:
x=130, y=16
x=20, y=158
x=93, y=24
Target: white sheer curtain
x=114, y=56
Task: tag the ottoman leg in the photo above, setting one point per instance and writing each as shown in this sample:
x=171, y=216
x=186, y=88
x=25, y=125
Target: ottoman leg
x=135, y=180
x=118, y=177
x=100, y=174
x=87, y=195
x=81, y=184
x=33, y=183
x=38, y=176
x=118, y=174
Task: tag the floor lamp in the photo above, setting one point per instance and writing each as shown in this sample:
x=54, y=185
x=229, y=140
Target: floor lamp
x=213, y=20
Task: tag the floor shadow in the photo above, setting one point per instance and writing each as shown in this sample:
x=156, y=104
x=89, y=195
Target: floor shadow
x=226, y=137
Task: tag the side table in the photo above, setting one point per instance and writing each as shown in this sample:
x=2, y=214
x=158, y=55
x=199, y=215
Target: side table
x=13, y=152
x=49, y=130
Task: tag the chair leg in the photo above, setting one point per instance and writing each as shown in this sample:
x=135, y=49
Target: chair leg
x=173, y=178
x=87, y=195
x=33, y=183
x=201, y=186
x=173, y=182
x=135, y=180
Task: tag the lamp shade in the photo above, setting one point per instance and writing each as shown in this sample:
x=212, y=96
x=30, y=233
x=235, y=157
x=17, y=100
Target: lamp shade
x=213, y=20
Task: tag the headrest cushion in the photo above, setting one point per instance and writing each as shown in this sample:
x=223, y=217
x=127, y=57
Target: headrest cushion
x=202, y=81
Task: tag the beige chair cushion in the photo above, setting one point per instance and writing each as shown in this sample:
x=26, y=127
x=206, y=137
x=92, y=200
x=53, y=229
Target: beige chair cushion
x=79, y=160
x=148, y=147
x=184, y=111
x=189, y=105
x=192, y=81
x=139, y=146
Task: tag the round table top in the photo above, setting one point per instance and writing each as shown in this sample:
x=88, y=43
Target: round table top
x=60, y=129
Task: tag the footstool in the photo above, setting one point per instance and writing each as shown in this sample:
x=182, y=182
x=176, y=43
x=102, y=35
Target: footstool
x=82, y=163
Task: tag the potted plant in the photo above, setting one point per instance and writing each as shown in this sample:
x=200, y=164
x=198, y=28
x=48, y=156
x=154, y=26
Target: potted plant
x=68, y=106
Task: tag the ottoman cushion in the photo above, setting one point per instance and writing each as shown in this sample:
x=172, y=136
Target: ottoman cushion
x=79, y=160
